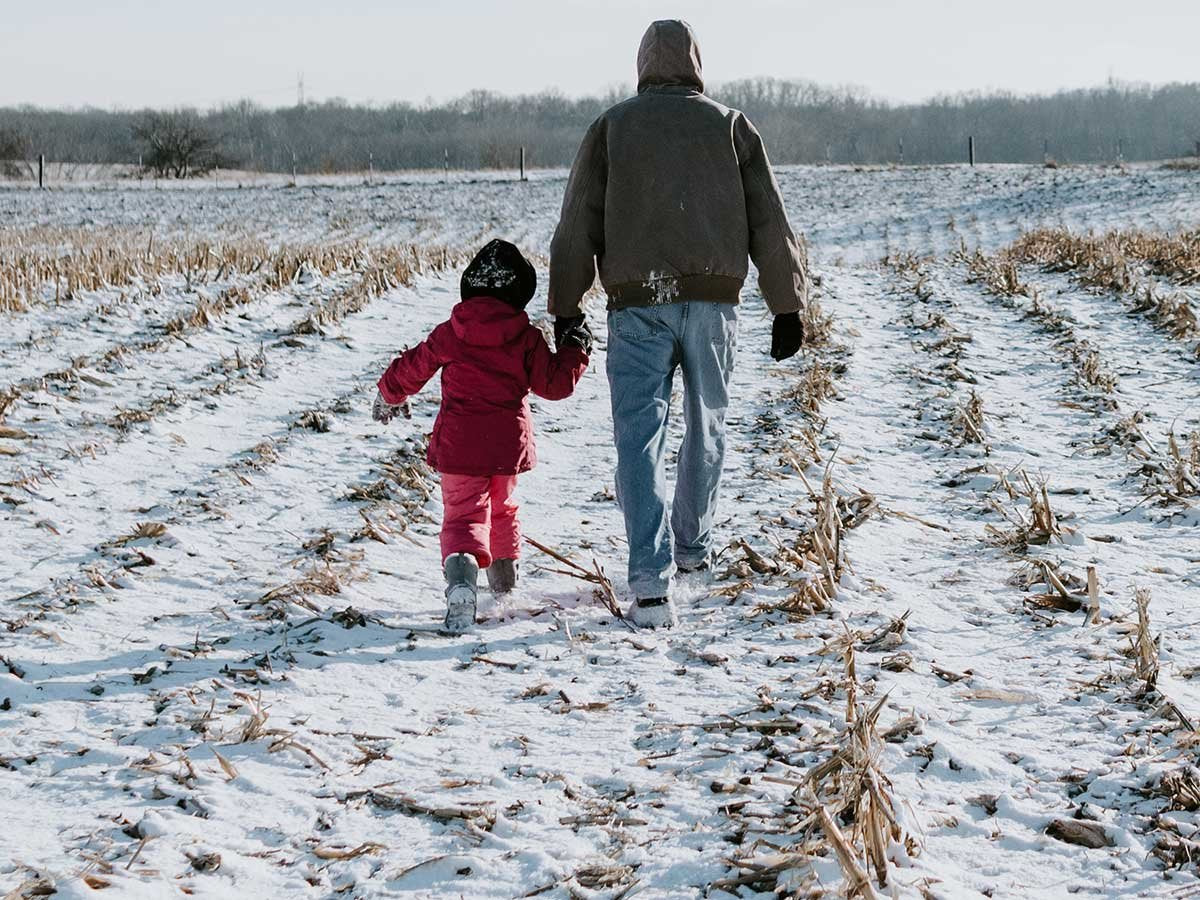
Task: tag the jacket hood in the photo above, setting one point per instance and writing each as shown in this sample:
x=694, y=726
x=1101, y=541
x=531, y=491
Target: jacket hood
x=669, y=55
x=487, y=322
x=499, y=270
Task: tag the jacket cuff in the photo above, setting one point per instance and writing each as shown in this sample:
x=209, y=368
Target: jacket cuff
x=391, y=397
x=788, y=306
x=787, y=298
x=574, y=349
x=563, y=310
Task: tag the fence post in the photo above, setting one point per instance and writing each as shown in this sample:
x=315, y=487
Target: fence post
x=901, y=151
x=522, y=163
x=41, y=170
x=293, y=168
x=370, y=166
x=446, y=165
x=971, y=149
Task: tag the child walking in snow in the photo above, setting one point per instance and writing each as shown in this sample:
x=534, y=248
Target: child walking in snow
x=491, y=357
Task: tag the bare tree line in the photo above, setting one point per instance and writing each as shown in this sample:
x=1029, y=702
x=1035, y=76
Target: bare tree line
x=802, y=123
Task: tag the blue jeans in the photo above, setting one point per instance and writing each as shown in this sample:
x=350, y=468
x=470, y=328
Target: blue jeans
x=645, y=347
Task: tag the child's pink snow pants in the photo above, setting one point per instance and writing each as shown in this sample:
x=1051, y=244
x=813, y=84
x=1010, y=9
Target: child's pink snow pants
x=480, y=517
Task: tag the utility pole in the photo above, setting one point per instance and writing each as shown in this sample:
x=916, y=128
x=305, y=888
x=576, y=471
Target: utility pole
x=41, y=170
x=971, y=149
x=522, y=163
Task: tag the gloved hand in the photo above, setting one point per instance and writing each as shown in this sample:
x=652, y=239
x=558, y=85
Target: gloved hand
x=787, y=334
x=384, y=412
x=572, y=331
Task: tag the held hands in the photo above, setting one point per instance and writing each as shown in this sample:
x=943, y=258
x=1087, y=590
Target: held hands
x=572, y=331
x=787, y=334
x=384, y=412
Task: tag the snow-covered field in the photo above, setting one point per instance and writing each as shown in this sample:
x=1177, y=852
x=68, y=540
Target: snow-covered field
x=848, y=214
x=219, y=669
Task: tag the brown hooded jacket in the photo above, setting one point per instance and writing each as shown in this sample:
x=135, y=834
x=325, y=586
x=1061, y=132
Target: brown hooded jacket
x=669, y=194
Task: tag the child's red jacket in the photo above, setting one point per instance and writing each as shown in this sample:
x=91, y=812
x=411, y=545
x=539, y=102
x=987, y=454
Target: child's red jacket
x=491, y=357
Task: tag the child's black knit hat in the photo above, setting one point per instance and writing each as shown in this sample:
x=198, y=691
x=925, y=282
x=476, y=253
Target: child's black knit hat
x=499, y=270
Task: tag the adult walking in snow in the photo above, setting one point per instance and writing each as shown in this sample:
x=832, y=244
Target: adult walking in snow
x=669, y=194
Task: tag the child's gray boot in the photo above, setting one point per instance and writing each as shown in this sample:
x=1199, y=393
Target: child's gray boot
x=462, y=587
x=502, y=575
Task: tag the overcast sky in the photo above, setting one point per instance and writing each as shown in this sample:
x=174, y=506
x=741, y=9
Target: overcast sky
x=132, y=53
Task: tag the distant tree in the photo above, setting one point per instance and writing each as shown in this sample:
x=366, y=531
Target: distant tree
x=14, y=153
x=176, y=143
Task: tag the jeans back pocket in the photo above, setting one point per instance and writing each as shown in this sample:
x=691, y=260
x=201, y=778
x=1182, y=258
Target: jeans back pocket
x=634, y=323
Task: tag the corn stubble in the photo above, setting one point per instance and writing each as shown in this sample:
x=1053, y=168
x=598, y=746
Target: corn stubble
x=1119, y=262
x=844, y=808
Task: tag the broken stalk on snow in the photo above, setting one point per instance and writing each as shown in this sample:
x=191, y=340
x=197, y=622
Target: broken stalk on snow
x=604, y=589
x=1093, y=593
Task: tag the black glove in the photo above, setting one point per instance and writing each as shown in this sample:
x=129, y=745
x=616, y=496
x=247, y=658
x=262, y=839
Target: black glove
x=787, y=334
x=572, y=331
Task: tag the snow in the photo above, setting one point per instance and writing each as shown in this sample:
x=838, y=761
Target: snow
x=164, y=704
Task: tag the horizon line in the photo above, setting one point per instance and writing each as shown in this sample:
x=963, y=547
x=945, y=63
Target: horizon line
x=853, y=91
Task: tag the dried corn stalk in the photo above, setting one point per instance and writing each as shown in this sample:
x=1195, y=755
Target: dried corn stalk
x=1145, y=647
x=968, y=420
x=1039, y=527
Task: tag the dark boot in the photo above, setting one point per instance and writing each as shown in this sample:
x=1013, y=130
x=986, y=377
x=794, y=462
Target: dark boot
x=502, y=575
x=462, y=589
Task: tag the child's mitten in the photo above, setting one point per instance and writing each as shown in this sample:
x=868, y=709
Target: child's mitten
x=384, y=412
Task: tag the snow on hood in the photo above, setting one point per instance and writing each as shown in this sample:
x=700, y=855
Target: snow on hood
x=487, y=322
x=669, y=54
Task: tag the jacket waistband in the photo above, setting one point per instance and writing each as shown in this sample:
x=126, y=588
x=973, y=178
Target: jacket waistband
x=710, y=288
